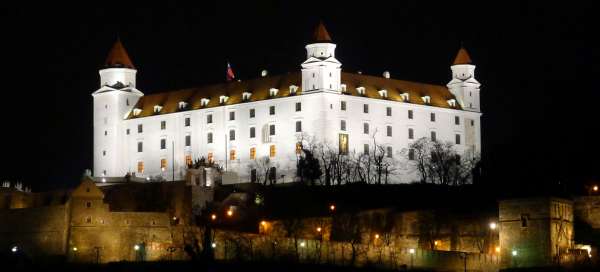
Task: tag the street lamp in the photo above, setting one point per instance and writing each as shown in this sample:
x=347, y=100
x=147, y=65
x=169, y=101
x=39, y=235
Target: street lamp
x=319, y=229
x=136, y=247
x=14, y=249
x=213, y=217
x=595, y=188
x=332, y=207
x=376, y=236
x=412, y=254
x=515, y=252
x=493, y=225
x=213, y=245
x=229, y=213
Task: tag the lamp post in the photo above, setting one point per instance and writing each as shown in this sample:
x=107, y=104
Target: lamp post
x=412, y=254
x=463, y=255
x=97, y=249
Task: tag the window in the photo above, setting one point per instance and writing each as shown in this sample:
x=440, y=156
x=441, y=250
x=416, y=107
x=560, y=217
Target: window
x=410, y=114
x=127, y=131
x=433, y=136
x=209, y=119
x=271, y=110
x=388, y=111
x=105, y=120
x=163, y=164
x=140, y=167
x=343, y=125
x=140, y=128
x=209, y=138
x=432, y=117
x=105, y=133
x=127, y=102
x=188, y=140
x=163, y=143
x=187, y=121
x=253, y=176
x=232, y=155
x=272, y=151
x=389, y=152
x=456, y=120
x=232, y=135
x=343, y=105
x=188, y=160
x=271, y=130
x=103, y=152
x=298, y=106
x=298, y=126
x=252, y=132
x=411, y=154
x=411, y=133
x=88, y=219
x=366, y=148
x=210, y=157
x=273, y=175
x=472, y=123
x=253, y=153
x=343, y=144
x=457, y=139
x=163, y=125
x=524, y=220
x=366, y=108
x=252, y=113
x=140, y=147
x=366, y=128
x=231, y=115
x=88, y=204
x=298, y=148
x=389, y=131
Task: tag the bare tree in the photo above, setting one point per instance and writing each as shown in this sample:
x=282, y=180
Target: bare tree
x=263, y=167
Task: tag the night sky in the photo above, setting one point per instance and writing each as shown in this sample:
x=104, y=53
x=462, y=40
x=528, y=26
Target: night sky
x=538, y=66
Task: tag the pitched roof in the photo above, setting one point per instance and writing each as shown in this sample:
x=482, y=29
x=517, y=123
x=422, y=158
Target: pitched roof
x=462, y=57
x=117, y=57
x=169, y=101
x=321, y=34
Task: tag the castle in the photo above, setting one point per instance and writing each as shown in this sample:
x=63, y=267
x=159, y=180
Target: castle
x=236, y=123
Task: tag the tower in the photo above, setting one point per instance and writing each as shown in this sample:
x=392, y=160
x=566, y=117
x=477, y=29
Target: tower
x=114, y=99
x=321, y=71
x=463, y=85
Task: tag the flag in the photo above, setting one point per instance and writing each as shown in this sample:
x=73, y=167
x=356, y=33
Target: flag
x=230, y=76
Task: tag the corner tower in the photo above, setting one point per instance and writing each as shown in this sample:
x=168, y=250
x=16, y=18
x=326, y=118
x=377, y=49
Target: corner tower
x=321, y=71
x=113, y=101
x=463, y=85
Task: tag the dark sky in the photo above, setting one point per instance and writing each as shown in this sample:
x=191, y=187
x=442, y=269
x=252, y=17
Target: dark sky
x=537, y=64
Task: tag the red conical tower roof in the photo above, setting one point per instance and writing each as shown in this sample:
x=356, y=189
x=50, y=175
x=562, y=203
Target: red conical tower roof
x=462, y=57
x=321, y=34
x=118, y=58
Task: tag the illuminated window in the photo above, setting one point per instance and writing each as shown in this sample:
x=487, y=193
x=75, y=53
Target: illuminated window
x=209, y=158
x=253, y=153
x=389, y=131
x=272, y=110
x=252, y=132
x=209, y=119
x=411, y=133
x=232, y=135
x=298, y=148
x=343, y=125
x=252, y=113
x=388, y=111
x=188, y=159
x=163, y=143
x=163, y=125
x=232, y=155
x=140, y=147
x=433, y=136
x=140, y=128
x=187, y=122
x=298, y=106
x=209, y=138
x=343, y=105
x=298, y=126
x=140, y=167
x=272, y=151
x=366, y=108
x=410, y=114
x=163, y=164
x=343, y=144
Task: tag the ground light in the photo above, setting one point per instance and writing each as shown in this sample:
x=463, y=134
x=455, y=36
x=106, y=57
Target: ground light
x=75, y=249
x=302, y=244
x=213, y=245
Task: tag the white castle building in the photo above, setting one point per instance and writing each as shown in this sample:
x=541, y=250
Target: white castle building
x=237, y=122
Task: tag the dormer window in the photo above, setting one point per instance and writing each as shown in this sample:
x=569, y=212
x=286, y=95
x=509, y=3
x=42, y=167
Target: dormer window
x=223, y=99
x=273, y=92
x=137, y=111
x=246, y=96
x=182, y=105
x=452, y=103
x=361, y=90
x=343, y=88
x=293, y=89
x=383, y=93
x=204, y=102
x=157, y=108
x=405, y=97
x=426, y=99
